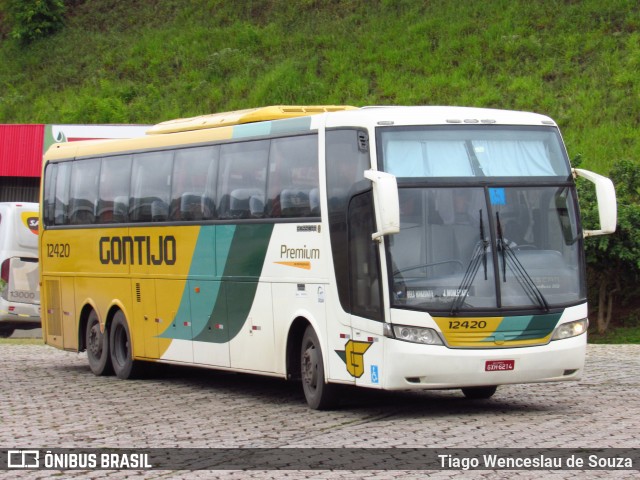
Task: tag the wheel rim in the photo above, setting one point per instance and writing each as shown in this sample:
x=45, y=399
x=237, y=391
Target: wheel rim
x=310, y=367
x=121, y=345
x=94, y=343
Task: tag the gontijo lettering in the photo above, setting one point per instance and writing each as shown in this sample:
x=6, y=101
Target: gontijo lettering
x=138, y=250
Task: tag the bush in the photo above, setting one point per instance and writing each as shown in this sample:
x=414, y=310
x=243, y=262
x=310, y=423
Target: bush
x=613, y=261
x=34, y=19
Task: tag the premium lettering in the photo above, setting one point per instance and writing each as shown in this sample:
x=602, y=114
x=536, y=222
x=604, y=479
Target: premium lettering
x=299, y=253
x=138, y=250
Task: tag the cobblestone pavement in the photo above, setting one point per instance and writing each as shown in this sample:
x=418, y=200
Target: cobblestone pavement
x=50, y=399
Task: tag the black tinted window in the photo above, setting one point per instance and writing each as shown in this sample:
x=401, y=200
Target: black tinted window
x=194, y=182
x=293, y=177
x=115, y=177
x=61, y=209
x=242, y=180
x=84, y=191
x=151, y=186
x=48, y=197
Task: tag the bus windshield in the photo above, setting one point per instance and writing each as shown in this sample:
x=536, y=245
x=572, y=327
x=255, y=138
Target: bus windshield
x=473, y=151
x=474, y=248
x=510, y=241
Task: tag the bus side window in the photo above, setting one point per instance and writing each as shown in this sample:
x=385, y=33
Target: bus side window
x=84, y=191
x=293, y=176
x=246, y=203
x=242, y=174
x=195, y=171
x=346, y=163
x=151, y=186
x=113, y=201
x=48, y=198
x=61, y=208
x=366, y=299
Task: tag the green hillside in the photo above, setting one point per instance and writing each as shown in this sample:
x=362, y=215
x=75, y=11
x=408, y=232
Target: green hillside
x=143, y=62
x=115, y=61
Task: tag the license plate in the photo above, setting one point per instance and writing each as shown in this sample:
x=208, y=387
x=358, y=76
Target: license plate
x=499, y=365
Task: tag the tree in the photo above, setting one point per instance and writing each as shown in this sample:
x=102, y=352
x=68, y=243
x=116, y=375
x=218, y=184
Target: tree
x=33, y=19
x=613, y=261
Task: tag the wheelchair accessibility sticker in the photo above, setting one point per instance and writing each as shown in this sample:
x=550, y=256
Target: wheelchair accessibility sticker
x=374, y=374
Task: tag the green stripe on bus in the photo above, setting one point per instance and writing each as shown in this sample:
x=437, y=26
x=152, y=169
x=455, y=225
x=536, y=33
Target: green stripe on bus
x=527, y=327
x=220, y=308
x=275, y=127
x=291, y=125
x=242, y=268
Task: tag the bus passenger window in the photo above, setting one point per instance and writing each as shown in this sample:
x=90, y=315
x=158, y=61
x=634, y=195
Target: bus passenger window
x=61, y=208
x=293, y=175
x=151, y=186
x=48, y=197
x=193, y=184
x=243, y=174
x=113, y=199
x=190, y=206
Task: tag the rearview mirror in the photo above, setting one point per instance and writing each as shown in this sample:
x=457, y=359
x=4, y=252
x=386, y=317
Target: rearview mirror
x=606, y=197
x=387, y=204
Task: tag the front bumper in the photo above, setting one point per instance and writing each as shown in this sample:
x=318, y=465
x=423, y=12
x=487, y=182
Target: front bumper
x=415, y=366
x=19, y=315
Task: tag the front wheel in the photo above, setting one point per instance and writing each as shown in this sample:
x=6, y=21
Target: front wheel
x=479, y=393
x=97, y=343
x=120, y=348
x=319, y=395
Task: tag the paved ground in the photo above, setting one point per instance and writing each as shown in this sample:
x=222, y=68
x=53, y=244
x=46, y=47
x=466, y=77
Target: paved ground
x=50, y=399
x=33, y=333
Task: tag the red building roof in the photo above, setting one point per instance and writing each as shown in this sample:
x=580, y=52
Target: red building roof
x=22, y=146
x=21, y=150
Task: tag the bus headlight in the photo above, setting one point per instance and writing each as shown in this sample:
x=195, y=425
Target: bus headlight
x=426, y=336
x=571, y=329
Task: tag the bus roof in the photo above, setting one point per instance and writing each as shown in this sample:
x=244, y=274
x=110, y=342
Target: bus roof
x=435, y=115
x=260, y=121
x=276, y=112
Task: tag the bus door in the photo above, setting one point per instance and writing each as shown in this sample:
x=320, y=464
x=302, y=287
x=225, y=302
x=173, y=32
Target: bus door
x=146, y=324
x=354, y=326
x=364, y=351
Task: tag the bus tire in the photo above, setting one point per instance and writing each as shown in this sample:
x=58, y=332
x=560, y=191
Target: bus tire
x=479, y=393
x=6, y=332
x=97, y=343
x=120, y=348
x=319, y=395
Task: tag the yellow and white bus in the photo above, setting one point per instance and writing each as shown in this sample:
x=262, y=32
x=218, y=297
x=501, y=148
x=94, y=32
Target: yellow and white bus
x=382, y=247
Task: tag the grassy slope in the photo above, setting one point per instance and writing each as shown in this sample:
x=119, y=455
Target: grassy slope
x=575, y=61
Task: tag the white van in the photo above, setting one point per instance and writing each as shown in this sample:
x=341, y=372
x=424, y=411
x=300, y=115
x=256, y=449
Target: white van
x=19, y=279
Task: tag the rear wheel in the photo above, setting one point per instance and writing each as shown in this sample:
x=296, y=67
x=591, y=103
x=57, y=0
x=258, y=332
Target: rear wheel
x=120, y=348
x=319, y=395
x=479, y=393
x=97, y=343
x=6, y=332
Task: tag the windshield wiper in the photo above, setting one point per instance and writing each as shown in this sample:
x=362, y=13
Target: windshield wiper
x=473, y=159
x=479, y=256
x=509, y=256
